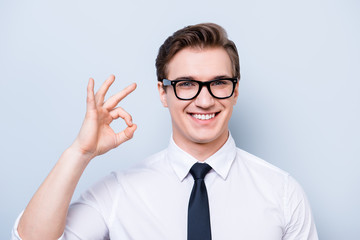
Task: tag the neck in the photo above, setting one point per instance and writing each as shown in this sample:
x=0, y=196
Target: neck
x=201, y=151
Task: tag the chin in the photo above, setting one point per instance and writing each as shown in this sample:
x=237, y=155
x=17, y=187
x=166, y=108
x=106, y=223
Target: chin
x=206, y=138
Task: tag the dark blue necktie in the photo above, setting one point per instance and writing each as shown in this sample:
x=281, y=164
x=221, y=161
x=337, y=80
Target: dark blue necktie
x=198, y=212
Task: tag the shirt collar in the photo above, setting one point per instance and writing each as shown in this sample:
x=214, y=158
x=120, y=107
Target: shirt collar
x=220, y=161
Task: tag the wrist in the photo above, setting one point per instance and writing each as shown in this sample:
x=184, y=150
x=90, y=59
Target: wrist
x=79, y=154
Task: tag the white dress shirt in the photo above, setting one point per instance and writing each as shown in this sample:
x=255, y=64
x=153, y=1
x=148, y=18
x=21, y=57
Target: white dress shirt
x=249, y=199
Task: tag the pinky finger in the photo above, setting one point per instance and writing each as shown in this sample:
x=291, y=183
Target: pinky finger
x=90, y=95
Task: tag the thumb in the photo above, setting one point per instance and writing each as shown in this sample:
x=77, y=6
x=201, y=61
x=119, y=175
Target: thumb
x=125, y=135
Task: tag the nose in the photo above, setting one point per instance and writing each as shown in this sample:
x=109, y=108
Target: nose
x=204, y=99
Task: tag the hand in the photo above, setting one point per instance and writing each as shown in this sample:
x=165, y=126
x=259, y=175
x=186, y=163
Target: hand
x=96, y=137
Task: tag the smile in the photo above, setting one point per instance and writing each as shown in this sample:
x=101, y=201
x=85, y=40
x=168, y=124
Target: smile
x=203, y=116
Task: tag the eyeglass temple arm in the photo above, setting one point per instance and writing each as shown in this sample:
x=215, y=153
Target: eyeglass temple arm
x=166, y=82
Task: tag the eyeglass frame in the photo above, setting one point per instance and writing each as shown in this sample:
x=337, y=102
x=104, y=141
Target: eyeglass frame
x=173, y=83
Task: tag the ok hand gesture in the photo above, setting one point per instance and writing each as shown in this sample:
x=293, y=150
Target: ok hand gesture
x=96, y=137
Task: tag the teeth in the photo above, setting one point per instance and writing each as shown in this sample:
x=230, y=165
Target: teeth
x=203, y=116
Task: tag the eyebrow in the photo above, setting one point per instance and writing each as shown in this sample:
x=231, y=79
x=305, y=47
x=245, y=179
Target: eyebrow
x=192, y=78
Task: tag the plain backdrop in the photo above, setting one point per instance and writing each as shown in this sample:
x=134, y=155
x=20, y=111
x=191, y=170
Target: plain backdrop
x=299, y=91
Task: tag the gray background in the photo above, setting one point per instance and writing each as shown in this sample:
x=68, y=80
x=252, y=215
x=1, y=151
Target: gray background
x=299, y=93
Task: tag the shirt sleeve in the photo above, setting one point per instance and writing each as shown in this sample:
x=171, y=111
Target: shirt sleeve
x=89, y=216
x=299, y=220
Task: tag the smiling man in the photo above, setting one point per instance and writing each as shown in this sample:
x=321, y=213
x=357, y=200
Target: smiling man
x=200, y=115
x=201, y=187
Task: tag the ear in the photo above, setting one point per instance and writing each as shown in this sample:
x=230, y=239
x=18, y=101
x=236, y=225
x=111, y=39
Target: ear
x=236, y=92
x=162, y=94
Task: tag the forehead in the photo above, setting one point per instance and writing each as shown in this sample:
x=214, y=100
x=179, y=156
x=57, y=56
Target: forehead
x=200, y=64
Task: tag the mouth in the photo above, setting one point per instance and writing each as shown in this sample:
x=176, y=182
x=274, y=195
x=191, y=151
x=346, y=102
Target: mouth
x=207, y=116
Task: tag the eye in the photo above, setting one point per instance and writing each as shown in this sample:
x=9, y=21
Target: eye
x=186, y=84
x=220, y=82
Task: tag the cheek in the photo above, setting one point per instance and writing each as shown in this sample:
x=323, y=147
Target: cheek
x=229, y=108
x=170, y=102
x=232, y=102
x=177, y=107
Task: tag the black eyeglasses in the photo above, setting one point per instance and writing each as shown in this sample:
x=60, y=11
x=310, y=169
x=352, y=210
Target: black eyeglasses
x=190, y=89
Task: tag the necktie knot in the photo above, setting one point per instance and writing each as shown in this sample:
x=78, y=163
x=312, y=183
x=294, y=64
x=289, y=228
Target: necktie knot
x=199, y=170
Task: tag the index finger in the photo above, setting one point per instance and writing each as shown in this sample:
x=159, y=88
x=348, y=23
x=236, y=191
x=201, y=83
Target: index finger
x=115, y=99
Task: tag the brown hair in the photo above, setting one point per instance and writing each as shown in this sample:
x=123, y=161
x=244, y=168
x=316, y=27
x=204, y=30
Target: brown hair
x=202, y=36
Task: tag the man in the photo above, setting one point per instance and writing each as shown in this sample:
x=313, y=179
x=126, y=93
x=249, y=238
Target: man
x=235, y=195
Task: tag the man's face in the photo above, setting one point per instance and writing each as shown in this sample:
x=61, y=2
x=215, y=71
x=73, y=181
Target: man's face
x=188, y=126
